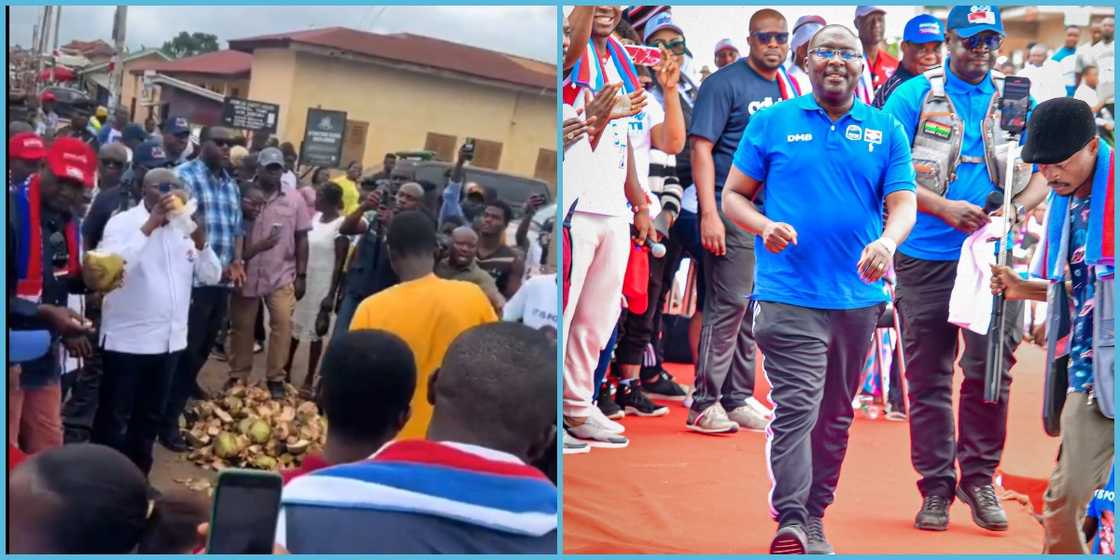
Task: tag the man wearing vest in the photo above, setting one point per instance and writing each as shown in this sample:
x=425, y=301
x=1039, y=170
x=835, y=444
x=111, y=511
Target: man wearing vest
x=47, y=249
x=818, y=292
x=951, y=115
x=1080, y=230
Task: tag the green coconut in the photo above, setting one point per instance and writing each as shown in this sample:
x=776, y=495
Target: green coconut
x=226, y=446
x=259, y=431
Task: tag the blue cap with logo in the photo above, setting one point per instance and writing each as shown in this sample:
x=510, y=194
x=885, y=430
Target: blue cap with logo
x=177, y=126
x=923, y=28
x=149, y=155
x=664, y=20
x=967, y=21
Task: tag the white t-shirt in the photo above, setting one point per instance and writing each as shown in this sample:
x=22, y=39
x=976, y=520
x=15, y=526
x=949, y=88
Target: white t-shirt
x=598, y=177
x=1103, y=56
x=1086, y=94
x=641, y=139
x=1046, y=80
x=535, y=303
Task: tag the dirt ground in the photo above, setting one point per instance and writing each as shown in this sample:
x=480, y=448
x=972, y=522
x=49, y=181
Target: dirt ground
x=169, y=466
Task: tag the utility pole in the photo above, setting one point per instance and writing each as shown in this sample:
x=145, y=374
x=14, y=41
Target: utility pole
x=57, y=26
x=40, y=45
x=116, y=79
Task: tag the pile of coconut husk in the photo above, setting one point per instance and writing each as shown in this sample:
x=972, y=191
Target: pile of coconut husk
x=246, y=428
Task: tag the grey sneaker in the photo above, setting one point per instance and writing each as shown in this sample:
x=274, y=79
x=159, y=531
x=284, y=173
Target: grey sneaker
x=816, y=543
x=789, y=539
x=748, y=418
x=591, y=433
x=712, y=421
x=607, y=424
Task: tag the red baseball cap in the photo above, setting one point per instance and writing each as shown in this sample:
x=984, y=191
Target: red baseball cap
x=47, y=96
x=71, y=158
x=27, y=145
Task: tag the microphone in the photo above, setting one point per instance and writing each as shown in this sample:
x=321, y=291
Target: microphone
x=994, y=202
x=656, y=249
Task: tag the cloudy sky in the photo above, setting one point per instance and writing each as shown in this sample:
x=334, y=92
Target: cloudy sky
x=528, y=31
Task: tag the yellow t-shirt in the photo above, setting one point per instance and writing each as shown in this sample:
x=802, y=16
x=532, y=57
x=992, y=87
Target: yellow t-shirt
x=428, y=314
x=349, y=194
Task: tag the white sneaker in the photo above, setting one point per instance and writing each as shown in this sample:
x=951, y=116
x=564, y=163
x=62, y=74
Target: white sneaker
x=594, y=435
x=747, y=418
x=760, y=408
x=574, y=446
x=601, y=419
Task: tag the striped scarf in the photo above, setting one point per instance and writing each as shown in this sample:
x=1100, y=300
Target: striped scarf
x=865, y=88
x=787, y=86
x=464, y=483
x=27, y=209
x=590, y=73
x=1099, y=249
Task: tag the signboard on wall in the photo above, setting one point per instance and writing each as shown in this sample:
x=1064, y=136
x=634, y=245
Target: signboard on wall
x=245, y=114
x=323, y=138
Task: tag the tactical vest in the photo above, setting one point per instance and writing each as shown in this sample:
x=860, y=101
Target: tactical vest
x=937, y=141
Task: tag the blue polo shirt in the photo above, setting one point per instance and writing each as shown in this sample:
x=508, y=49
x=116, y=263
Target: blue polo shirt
x=933, y=239
x=828, y=180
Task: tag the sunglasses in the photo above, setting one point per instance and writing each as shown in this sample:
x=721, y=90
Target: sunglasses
x=991, y=41
x=112, y=162
x=828, y=54
x=781, y=37
x=676, y=46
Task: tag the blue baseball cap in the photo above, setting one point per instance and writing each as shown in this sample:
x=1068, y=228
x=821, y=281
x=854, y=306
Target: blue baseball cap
x=967, y=21
x=134, y=132
x=923, y=28
x=149, y=155
x=177, y=126
x=24, y=346
x=664, y=20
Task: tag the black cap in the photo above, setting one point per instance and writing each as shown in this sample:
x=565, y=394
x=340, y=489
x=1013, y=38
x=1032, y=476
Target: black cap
x=1058, y=129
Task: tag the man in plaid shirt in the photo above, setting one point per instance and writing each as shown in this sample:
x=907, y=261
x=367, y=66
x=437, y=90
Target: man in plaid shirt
x=207, y=180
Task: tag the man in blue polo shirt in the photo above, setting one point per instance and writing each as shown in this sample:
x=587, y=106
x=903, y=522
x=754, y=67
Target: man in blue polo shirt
x=951, y=193
x=828, y=162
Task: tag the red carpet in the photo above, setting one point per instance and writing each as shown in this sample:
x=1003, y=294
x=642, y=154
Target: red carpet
x=675, y=491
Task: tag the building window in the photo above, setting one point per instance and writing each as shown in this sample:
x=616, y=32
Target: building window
x=487, y=154
x=354, y=142
x=546, y=166
x=442, y=145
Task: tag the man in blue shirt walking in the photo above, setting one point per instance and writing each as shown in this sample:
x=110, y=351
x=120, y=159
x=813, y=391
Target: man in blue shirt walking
x=829, y=162
x=952, y=148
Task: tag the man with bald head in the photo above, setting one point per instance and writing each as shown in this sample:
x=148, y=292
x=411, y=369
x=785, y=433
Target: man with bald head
x=144, y=324
x=1045, y=74
x=728, y=100
x=460, y=265
x=818, y=292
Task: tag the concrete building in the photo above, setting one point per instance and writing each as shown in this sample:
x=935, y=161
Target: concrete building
x=1039, y=24
x=193, y=87
x=96, y=79
x=407, y=92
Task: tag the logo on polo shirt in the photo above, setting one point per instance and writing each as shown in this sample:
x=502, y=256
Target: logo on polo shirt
x=873, y=136
x=802, y=137
x=853, y=132
x=981, y=14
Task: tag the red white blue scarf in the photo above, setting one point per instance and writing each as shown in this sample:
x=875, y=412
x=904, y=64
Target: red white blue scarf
x=1099, y=248
x=27, y=210
x=590, y=73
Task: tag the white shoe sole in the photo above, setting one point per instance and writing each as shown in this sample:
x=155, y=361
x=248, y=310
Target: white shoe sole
x=660, y=397
x=577, y=450
x=661, y=411
x=603, y=444
x=702, y=430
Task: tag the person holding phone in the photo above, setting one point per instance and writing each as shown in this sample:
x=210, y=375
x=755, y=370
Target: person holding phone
x=276, y=270
x=945, y=111
x=144, y=321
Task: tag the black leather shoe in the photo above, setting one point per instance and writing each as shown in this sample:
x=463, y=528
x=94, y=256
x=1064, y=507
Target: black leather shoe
x=986, y=510
x=276, y=389
x=934, y=515
x=174, y=443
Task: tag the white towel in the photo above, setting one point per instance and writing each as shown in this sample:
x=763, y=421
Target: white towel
x=970, y=305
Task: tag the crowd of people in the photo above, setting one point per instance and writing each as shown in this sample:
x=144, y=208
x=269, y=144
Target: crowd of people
x=136, y=256
x=823, y=192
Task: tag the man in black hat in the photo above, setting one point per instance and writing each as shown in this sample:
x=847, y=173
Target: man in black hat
x=1078, y=166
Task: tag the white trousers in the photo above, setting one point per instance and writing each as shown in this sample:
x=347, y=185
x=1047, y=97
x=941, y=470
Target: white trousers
x=600, y=250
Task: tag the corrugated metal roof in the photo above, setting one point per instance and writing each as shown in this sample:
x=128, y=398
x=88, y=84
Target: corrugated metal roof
x=416, y=49
x=220, y=63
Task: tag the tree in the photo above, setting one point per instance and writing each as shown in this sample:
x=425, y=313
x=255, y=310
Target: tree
x=190, y=44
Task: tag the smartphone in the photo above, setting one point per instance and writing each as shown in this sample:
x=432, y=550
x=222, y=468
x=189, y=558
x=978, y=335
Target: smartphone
x=276, y=228
x=246, y=509
x=643, y=55
x=468, y=147
x=1014, y=104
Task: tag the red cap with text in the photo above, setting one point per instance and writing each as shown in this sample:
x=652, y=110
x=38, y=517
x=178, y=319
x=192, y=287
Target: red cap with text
x=73, y=159
x=27, y=145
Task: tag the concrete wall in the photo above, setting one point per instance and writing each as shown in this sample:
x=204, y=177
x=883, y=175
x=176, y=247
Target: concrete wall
x=402, y=107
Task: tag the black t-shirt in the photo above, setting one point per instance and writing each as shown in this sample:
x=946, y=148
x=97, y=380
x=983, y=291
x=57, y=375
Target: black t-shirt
x=370, y=270
x=723, y=108
x=499, y=265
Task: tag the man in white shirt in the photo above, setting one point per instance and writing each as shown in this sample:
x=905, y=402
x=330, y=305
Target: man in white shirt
x=144, y=321
x=1087, y=92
